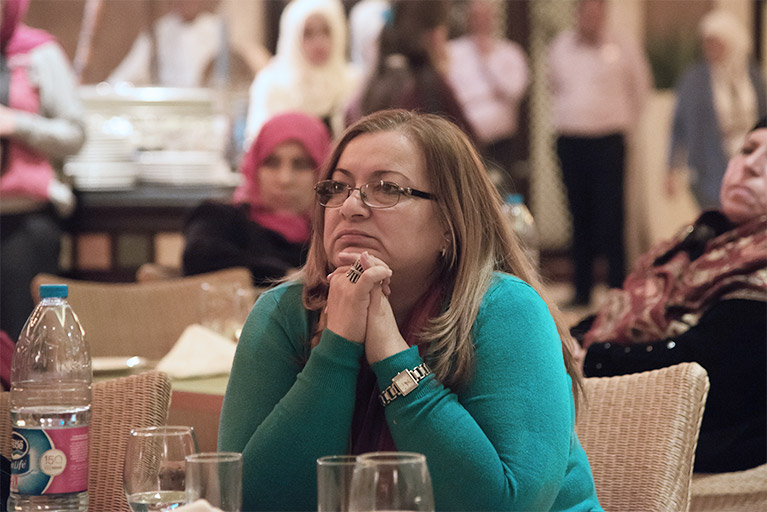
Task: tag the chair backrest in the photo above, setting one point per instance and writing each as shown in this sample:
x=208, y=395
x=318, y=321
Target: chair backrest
x=118, y=405
x=639, y=432
x=139, y=319
x=736, y=491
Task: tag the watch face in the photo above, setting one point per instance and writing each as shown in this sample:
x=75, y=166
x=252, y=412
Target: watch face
x=405, y=383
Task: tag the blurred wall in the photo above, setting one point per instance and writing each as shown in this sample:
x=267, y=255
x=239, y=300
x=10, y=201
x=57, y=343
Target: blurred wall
x=120, y=21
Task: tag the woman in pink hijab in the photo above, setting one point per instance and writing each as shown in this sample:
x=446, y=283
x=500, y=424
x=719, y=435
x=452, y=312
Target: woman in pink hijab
x=268, y=226
x=41, y=123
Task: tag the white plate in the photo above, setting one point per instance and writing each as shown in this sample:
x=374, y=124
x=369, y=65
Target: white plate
x=117, y=364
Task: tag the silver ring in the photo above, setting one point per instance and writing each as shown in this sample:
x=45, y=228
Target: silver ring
x=356, y=270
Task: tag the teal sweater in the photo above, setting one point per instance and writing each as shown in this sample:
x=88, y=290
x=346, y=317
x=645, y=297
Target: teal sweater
x=505, y=441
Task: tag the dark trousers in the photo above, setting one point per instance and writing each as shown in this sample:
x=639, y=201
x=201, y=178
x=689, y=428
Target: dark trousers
x=29, y=244
x=593, y=171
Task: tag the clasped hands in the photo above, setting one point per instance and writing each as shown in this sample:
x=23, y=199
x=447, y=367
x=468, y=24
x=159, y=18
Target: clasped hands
x=361, y=311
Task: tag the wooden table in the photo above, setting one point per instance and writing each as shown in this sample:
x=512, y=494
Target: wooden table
x=197, y=403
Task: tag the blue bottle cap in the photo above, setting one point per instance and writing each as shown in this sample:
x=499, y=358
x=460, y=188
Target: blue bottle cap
x=54, y=290
x=514, y=198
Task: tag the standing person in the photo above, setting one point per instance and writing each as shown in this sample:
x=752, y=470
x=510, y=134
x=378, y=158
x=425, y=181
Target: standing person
x=366, y=20
x=177, y=51
x=489, y=75
x=411, y=72
x=41, y=122
x=268, y=227
x=599, y=83
x=717, y=100
x=309, y=72
x=411, y=271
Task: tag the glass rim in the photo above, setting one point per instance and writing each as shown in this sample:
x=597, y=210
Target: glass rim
x=391, y=457
x=214, y=457
x=336, y=460
x=170, y=430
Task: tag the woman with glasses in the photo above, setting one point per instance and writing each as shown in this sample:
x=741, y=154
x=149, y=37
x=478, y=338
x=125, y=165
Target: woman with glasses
x=415, y=325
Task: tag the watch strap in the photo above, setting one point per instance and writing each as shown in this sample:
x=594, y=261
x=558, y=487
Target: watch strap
x=403, y=383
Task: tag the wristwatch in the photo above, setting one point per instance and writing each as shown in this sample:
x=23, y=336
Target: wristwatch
x=403, y=383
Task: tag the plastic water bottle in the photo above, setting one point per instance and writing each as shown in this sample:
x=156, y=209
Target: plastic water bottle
x=523, y=224
x=50, y=409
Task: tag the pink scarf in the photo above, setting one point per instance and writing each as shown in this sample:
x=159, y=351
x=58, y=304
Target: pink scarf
x=293, y=126
x=15, y=37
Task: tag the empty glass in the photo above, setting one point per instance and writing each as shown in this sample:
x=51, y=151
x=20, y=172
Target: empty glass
x=155, y=467
x=215, y=477
x=334, y=478
x=391, y=481
x=225, y=307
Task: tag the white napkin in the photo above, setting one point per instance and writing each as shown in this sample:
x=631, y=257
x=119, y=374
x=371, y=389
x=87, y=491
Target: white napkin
x=198, y=506
x=198, y=352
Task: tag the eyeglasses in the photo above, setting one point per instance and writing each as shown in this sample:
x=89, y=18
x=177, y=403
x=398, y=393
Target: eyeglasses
x=376, y=194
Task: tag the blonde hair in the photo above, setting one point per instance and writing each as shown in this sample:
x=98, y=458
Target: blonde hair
x=480, y=239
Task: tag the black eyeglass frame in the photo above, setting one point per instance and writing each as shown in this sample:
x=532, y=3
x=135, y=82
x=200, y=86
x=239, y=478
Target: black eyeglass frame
x=406, y=191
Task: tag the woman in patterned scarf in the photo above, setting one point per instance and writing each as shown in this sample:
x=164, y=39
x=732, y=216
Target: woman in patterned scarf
x=702, y=296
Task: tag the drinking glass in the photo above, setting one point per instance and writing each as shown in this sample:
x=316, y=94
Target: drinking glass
x=154, y=470
x=334, y=478
x=391, y=481
x=225, y=307
x=215, y=477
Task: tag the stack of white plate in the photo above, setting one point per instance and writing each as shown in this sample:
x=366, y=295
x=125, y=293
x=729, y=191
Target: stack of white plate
x=184, y=168
x=103, y=147
x=96, y=176
x=105, y=161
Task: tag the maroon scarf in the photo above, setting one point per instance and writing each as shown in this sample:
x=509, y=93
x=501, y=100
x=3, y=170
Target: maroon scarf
x=15, y=37
x=668, y=291
x=370, y=432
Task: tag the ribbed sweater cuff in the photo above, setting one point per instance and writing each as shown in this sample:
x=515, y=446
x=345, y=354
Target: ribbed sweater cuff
x=386, y=369
x=338, y=351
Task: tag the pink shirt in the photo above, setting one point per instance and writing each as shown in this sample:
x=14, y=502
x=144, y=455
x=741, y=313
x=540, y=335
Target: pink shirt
x=489, y=87
x=596, y=89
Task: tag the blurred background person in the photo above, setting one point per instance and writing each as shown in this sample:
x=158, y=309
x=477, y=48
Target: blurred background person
x=489, y=76
x=599, y=83
x=177, y=51
x=702, y=296
x=411, y=71
x=309, y=72
x=41, y=122
x=366, y=20
x=718, y=100
x=268, y=227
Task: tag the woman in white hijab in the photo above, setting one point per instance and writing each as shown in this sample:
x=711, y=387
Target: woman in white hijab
x=309, y=72
x=718, y=100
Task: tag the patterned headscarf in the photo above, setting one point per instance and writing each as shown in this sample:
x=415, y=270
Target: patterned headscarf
x=669, y=289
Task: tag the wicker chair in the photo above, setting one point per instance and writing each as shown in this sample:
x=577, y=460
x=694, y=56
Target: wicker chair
x=139, y=319
x=640, y=432
x=118, y=405
x=738, y=491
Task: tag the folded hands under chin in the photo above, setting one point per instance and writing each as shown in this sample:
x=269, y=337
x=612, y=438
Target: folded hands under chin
x=360, y=311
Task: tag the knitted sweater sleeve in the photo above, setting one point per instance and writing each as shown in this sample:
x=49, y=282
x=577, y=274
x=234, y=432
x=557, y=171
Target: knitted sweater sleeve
x=58, y=130
x=282, y=414
x=503, y=441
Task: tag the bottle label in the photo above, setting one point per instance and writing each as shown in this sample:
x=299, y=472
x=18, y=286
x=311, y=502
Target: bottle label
x=52, y=461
